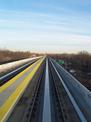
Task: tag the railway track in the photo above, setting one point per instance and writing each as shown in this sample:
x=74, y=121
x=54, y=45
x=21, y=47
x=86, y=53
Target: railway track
x=13, y=73
x=79, y=95
x=49, y=97
x=64, y=109
x=35, y=108
x=12, y=91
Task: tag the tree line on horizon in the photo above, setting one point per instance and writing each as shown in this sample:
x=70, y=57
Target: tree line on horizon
x=80, y=61
x=8, y=55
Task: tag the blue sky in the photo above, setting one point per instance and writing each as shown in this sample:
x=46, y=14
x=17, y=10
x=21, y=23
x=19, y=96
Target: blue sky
x=45, y=25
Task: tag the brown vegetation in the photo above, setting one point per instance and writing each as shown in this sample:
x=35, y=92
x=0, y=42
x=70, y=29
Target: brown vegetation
x=80, y=63
x=8, y=56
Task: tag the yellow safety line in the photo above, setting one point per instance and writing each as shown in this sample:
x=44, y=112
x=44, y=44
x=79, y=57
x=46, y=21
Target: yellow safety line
x=7, y=107
x=11, y=81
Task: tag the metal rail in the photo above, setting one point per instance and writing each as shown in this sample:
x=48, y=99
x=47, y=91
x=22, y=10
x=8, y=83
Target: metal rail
x=59, y=107
x=30, y=114
x=66, y=107
x=9, y=104
x=77, y=109
x=11, y=74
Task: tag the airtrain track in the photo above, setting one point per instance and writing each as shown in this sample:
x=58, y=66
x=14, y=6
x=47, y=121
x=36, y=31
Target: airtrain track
x=47, y=97
x=63, y=107
x=11, y=74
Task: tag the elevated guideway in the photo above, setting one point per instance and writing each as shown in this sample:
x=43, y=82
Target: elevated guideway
x=11, y=92
x=44, y=92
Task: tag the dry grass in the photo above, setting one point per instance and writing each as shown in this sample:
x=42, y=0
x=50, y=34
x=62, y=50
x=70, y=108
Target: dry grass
x=81, y=63
x=7, y=55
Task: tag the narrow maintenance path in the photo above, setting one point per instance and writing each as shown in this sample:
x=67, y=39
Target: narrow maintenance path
x=47, y=108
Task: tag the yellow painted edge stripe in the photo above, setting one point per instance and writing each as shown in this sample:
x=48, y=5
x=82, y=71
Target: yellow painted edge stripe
x=9, y=104
x=11, y=81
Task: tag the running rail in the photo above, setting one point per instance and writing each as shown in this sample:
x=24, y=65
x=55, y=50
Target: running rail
x=78, y=94
x=13, y=73
x=4, y=67
x=7, y=107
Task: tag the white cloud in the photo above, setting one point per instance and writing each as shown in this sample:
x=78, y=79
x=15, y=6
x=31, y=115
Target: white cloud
x=44, y=32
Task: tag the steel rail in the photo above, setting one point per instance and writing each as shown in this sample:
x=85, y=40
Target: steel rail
x=76, y=107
